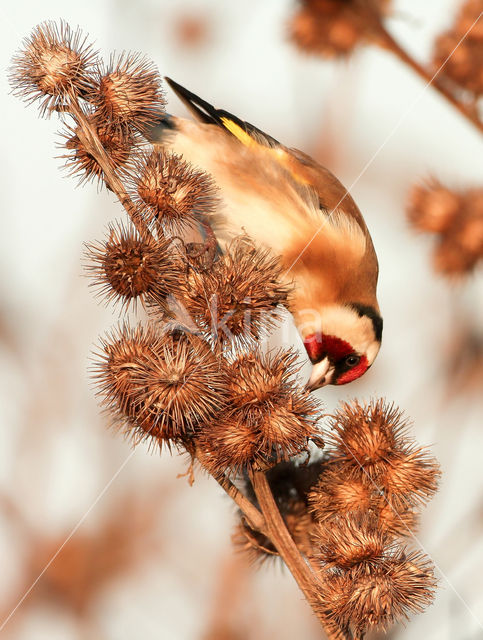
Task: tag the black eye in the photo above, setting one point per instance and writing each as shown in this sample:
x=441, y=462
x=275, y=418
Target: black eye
x=352, y=360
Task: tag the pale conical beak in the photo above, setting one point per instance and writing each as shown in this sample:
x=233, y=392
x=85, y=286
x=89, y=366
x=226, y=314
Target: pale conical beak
x=322, y=374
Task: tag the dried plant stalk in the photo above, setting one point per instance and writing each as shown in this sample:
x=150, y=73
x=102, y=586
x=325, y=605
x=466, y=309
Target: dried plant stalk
x=89, y=138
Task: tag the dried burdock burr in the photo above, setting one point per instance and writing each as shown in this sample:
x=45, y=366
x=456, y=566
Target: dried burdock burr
x=129, y=266
x=398, y=519
x=159, y=386
x=367, y=579
x=269, y=417
x=451, y=260
x=335, y=28
x=56, y=63
x=432, y=207
x=344, y=491
x=410, y=476
x=373, y=468
x=456, y=217
x=346, y=541
x=458, y=52
x=374, y=439
x=470, y=235
x=173, y=193
x=117, y=141
x=339, y=491
x=128, y=91
x=365, y=435
x=239, y=299
x=376, y=595
x=463, y=358
x=332, y=28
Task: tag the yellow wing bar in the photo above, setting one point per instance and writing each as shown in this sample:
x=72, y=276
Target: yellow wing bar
x=234, y=128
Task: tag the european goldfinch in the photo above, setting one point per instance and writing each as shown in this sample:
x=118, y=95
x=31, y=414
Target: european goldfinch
x=284, y=200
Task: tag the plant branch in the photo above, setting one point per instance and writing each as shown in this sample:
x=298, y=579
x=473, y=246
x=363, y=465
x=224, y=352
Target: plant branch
x=387, y=42
x=252, y=514
x=90, y=141
x=281, y=538
x=254, y=518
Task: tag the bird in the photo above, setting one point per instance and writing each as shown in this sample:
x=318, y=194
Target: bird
x=286, y=201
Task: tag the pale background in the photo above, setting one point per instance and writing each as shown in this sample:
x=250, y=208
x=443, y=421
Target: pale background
x=373, y=123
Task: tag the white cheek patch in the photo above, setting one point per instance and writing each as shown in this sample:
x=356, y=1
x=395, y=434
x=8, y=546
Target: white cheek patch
x=372, y=352
x=345, y=323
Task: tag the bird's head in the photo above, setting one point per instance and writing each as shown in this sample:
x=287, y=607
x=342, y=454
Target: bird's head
x=344, y=346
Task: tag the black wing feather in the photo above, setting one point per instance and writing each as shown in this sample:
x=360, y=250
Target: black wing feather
x=205, y=112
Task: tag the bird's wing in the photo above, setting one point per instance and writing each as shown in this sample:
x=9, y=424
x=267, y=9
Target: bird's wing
x=204, y=112
x=269, y=192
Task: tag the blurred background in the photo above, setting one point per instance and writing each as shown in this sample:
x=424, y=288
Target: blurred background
x=100, y=541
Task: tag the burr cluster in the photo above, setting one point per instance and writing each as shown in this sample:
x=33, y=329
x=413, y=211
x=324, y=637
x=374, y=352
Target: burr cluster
x=455, y=218
x=352, y=512
x=331, y=28
x=458, y=52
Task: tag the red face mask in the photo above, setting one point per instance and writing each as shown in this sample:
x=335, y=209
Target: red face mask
x=319, y=346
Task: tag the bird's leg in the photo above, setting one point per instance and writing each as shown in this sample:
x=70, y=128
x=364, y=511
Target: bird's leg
x=206, y=250
x=211, y=242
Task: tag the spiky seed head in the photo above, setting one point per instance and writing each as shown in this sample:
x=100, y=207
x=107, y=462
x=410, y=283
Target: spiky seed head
x=228, y=444
x=344, y=491
x=410, y=476
x=368, y=435
x=346, y=541
x=457, y=217
x=451, y=260
x=331, y=28
x=118, y=142
x=127, y=267
x=339, y=491
x=433, y=207
x=310, y=33
x=398, y=519
x=240, y=298
x=174, y=193
x=270, y=418
x=128, y=91
x=161, y=387
x=55, y=63
x=457, y=54
x=375, y=596
x=470, y=234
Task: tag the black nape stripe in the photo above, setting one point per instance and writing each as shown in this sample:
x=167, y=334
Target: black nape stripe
x=370, y=312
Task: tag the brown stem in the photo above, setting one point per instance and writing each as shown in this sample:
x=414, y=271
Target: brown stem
x=281, y=538
x=90, y=140
x=254, y=518
x=388, y=42
x=252, y=514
